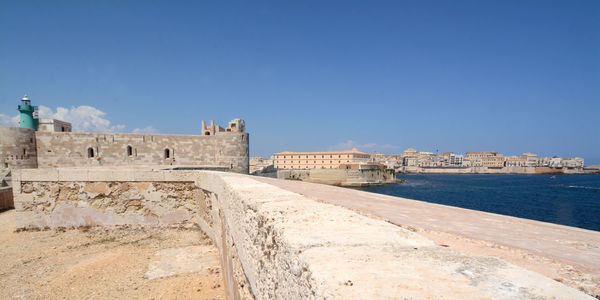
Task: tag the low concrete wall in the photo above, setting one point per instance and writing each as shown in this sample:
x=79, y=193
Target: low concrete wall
x=340, y=177
x=275, y=243
x=486, y=170
x=6, y=197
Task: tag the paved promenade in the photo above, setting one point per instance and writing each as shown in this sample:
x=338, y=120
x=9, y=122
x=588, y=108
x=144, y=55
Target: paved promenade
x=567, y=254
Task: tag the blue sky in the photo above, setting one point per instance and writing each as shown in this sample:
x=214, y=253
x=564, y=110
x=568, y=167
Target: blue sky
x=510, y=76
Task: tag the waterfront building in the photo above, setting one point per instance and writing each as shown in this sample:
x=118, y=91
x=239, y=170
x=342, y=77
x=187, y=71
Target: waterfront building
x=514, y=161
x=319, y=160
x=543, y=161
x=410, y=157
x=410, y=152
x=427, y=159
x=555, y=162
x=530, y=159
x=575, y=162
x=490, y=159
x=455, y=160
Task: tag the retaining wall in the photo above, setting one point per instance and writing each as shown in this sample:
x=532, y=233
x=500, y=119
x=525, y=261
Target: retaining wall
x=275, y=244
x=339, y=177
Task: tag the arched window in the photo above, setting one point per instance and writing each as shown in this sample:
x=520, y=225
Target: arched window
x=90, y=152
x=167, y=153
x=129, y=151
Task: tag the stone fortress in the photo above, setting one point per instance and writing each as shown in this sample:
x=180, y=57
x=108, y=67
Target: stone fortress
x=286, y=239
x=48, y=143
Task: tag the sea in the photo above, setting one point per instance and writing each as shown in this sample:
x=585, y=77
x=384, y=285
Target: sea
x=572, y=200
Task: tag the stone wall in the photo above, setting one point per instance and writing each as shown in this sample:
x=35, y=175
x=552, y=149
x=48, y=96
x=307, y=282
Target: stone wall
x=70, y=149
x=17, y=148
x=276, y=244
x=340, y=177
x=483, y=170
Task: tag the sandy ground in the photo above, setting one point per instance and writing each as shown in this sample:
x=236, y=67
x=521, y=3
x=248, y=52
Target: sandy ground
x=566, y=254
x=101, y=263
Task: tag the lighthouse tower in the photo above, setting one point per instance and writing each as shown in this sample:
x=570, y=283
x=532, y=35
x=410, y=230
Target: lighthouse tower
x=29, y=118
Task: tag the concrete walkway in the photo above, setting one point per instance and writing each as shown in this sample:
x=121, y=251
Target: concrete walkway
x=560, y=252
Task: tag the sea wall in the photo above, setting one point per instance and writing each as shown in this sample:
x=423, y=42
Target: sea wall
x=274, y=243
x=17, y=148
x=71, y=149
x=340, y=177
x=486, y=170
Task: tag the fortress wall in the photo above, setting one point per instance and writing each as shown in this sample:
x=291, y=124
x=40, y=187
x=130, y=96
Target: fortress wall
x=17, y=148
x=70, y=149
x=275, y=243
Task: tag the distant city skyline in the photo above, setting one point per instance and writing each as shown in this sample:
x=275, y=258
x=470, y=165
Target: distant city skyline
x=511, y=77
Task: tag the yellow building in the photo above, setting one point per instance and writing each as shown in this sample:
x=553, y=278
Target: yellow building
x=490, y=159
x=318, y=160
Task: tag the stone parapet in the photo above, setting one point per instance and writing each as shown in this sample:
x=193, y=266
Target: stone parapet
x=274, y=243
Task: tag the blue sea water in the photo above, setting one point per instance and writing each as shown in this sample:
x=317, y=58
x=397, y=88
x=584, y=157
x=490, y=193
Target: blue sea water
x=572, y=200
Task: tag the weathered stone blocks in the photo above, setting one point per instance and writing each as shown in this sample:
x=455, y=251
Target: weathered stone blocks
x=276, y=244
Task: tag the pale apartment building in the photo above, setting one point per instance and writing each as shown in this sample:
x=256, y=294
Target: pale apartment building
x=514, y=161
x=530, y=159
x=411, y=157
x=319, y=160
x=527, y=159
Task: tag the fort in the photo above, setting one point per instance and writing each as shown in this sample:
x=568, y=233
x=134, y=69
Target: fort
x=50, y=144
x=285, y=239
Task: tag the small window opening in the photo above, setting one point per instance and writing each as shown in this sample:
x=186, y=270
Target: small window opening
x=232, y=125
x=207, y=133
x=24, y=151
x=228, y=129
x=129, y=151
x=90, y=152
x=62, y=129
x=167, y=153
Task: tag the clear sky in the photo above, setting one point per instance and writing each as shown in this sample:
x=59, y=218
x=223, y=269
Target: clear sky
x=511, y=76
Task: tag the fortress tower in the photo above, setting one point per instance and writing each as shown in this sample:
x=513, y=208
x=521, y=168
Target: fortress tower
x=29, y=118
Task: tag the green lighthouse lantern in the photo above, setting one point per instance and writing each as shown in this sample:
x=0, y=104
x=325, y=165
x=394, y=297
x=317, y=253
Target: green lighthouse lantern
x=29, y=118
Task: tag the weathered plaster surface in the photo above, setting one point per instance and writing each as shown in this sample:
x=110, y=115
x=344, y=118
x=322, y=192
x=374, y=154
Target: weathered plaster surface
x=279, y=244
